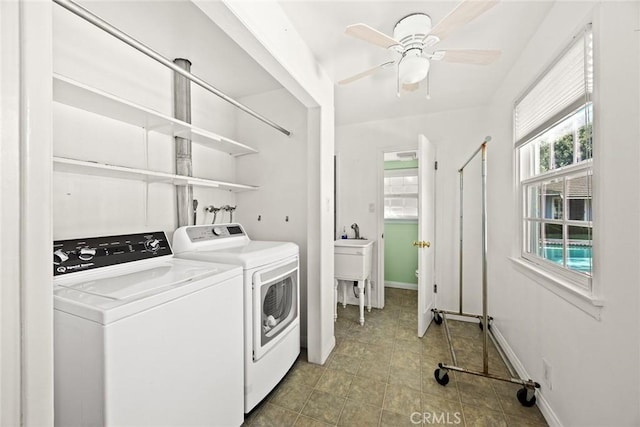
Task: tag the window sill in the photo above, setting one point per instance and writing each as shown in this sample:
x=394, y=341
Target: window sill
x=561, y=287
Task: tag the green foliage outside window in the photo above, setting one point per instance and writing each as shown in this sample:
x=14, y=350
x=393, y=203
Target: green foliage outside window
x=563, y=149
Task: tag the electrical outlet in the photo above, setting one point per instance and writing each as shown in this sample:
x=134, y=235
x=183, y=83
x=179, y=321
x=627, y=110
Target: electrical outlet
x=546, y=373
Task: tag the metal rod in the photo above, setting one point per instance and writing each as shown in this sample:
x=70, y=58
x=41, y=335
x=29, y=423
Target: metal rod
x=485, y=317
x=477, y=316
x=486, y=139
x=105, y=26
x=526, y=383
x=460, y=243
x=449, y=340
x=183, y=156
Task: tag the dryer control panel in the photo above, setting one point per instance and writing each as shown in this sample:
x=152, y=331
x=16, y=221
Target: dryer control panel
x=214, y=232
x=70, y=256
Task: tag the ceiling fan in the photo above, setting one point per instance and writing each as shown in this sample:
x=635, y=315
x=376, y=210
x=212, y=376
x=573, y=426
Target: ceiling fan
x=413, y=39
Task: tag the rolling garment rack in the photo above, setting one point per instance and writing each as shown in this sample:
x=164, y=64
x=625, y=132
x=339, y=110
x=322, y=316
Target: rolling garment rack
x=526, y=395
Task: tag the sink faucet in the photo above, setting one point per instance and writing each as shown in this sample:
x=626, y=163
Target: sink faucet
x=355, y=228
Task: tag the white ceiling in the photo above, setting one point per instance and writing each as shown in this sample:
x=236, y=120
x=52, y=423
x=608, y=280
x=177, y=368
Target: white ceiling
x=508, y=26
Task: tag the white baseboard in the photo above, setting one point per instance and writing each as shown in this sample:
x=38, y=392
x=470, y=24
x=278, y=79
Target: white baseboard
x=401, y=285
x=550, y=416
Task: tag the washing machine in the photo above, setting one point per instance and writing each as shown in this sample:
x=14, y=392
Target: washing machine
x=144, y=339
x=271, y=298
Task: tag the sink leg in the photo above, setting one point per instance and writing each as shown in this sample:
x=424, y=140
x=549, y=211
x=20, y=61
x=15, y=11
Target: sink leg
x=361, y=300
x=369, y=295
x=344, y=294
x=335, y=300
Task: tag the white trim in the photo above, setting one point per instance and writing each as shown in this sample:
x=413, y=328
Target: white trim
x=10, y=328
x=564, y=289
x=401, y=285
x=544, y=406
x=36, y=150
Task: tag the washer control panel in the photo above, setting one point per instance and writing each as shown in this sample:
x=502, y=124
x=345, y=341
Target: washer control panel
x=70, y=256
x=214, y=232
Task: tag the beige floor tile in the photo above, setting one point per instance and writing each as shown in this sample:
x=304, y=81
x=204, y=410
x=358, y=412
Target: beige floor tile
x=481, y=417
x=344, y=362
x=412, y=346
x=323, y=407
x=524, y=422
x=305, y=373
x=351, y=347
x=303, y=421
x=402, y=400
x=392, y=419
x=291, y=395
x=357, y=414
x=406, y=376
x=366, y=390
x=274, y=416
x=431, y=386
x=374, y=370
x=438, y=404
x=478, y=392
x=405, y=359
x=335, y=382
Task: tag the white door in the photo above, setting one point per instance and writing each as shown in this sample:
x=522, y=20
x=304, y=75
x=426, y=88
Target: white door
x=426, y=231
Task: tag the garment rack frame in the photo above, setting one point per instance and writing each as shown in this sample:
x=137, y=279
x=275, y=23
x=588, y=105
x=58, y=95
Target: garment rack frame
x=526, y=395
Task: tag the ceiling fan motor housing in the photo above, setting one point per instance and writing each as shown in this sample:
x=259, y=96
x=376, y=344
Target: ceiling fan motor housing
x=411, y=30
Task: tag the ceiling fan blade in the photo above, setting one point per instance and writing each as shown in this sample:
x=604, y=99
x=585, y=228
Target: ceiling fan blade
x=371, y=35
x=410, y=87
x=464, y=13
x=364, y=73
x=467, y=56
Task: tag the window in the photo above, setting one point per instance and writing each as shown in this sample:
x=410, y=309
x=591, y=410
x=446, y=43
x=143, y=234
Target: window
x=553, y=142
x=401, y=194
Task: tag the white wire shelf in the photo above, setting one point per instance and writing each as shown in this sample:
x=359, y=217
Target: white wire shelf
x=63, y=164
x=74, y=94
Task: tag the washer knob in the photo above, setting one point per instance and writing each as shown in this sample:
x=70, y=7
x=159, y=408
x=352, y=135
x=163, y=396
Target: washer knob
x=60, y=256
x=86, y=254
x=152, y=244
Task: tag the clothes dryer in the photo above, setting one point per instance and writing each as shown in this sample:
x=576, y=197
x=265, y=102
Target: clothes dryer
x=271, y=298
x=145, y=339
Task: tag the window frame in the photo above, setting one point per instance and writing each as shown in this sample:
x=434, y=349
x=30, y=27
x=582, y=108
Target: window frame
x=565, y=282
x=400, y=172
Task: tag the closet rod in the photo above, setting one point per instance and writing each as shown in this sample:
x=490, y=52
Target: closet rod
x=105, y=26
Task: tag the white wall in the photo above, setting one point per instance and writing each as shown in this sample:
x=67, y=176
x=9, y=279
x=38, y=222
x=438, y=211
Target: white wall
x=595, y=370
x=456, y=134
x=281, y=170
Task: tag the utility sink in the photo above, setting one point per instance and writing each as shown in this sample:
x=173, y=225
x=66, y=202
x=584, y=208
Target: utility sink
x=352, y=258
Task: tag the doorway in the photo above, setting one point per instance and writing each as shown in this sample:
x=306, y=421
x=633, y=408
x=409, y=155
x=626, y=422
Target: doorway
x=406, y=256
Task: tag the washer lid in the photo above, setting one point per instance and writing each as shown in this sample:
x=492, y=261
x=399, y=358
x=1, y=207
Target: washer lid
x=105, y=297
x=139, y=282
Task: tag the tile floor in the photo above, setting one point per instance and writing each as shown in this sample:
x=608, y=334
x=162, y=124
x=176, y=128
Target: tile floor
x=381, y=374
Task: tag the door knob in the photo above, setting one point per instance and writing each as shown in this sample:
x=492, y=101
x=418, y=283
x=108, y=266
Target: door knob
x=422, y=244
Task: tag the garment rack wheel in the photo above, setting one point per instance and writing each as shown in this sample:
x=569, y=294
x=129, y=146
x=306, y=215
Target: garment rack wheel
x=437, y=318
x=527, y=396
x=442, y=376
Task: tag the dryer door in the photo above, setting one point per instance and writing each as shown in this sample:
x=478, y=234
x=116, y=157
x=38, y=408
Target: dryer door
x=275, y=304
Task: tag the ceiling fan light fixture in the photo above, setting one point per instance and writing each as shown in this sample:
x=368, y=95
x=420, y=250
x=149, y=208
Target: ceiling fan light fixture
x=413, y=67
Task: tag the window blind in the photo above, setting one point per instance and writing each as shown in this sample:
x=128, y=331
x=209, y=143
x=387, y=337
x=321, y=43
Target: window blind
x=564, y=87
